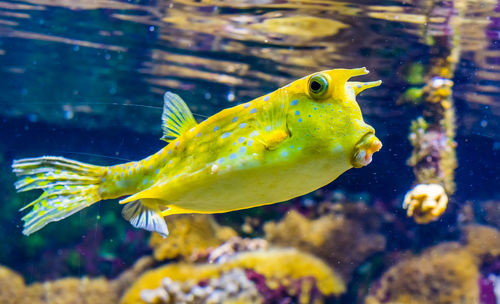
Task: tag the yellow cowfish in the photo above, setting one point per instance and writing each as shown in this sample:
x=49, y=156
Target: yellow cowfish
x=271, y=149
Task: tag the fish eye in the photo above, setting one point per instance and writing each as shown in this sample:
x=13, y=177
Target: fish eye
x=318, y=86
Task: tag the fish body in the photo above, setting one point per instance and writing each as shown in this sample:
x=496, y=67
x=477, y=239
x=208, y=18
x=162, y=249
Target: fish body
x=279, y=146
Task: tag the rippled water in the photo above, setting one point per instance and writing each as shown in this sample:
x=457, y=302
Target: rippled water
x=78, y=61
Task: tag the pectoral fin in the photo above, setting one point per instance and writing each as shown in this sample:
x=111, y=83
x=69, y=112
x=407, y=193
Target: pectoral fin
x=271, y=121
x=140, y=215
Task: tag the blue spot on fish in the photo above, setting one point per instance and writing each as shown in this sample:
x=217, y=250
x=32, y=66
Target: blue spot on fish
x=216, y=128
x=294, y=102
x=358, y=86
x=241, y=139
x=266, y=98
x=157, y=171
x=297, y=113
x=246, y=105
x=284, y=153
x=291, y=147
x=198, y=135
x=232, y=156
x=243, y=149
x=250, y=142
x=221, y=160
x=235, y=118
x=300, y=119
x=252, y=111
x=242, y=125
x=226, y=135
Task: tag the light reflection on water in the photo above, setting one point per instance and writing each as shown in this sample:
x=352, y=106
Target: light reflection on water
x=73, y=59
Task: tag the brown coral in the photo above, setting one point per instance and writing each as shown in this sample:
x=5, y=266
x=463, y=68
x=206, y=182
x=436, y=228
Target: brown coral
x=11, y=287
x=445, y=274
x=71, y=290
x=482, y=241
x=191, y=236
x=128, y=277
x=341, y=240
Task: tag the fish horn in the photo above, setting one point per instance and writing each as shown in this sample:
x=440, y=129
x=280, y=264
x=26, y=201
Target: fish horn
x=359, y=87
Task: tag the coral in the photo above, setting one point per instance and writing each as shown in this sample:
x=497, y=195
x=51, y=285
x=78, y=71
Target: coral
x=279, y=267
x=433, y=157
x=342, y=240
x=425, y=203
x=191, y=237
x=281, y=264
x=489, y=212
x=127, y=278
x=230, y=287
x=433, y=136
x=235, y=245
x=483, y=242
x=68, y=290
x=11, y=287
x=488, y=289
x=71, y=290
x=445, y=274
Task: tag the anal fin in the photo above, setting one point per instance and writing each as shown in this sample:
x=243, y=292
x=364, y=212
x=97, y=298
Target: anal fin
x=140, y=215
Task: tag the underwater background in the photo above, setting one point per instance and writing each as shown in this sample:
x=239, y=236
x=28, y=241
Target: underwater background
x=84, y=79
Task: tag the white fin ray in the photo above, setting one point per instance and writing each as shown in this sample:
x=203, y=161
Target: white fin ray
x=144, y=217
x=176, y=117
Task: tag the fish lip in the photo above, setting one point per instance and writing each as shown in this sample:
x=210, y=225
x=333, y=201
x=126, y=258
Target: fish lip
x=364, y=149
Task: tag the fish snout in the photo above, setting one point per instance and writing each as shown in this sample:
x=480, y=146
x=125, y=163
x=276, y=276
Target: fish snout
x=364, y=150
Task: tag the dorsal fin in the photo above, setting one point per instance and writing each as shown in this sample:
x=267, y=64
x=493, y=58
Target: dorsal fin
x=176, y=117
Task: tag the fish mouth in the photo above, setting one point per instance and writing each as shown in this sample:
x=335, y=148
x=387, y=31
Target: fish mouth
x=364, y=149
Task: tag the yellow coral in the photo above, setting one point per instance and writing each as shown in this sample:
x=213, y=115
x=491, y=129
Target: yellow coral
x=11, y=287
x=341, y=241
x=190, y=236
x=445, y=274
x=277, y=265
x=425, y=203
x=281, y=264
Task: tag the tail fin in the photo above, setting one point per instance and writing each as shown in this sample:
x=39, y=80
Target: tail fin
x=69, y=186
